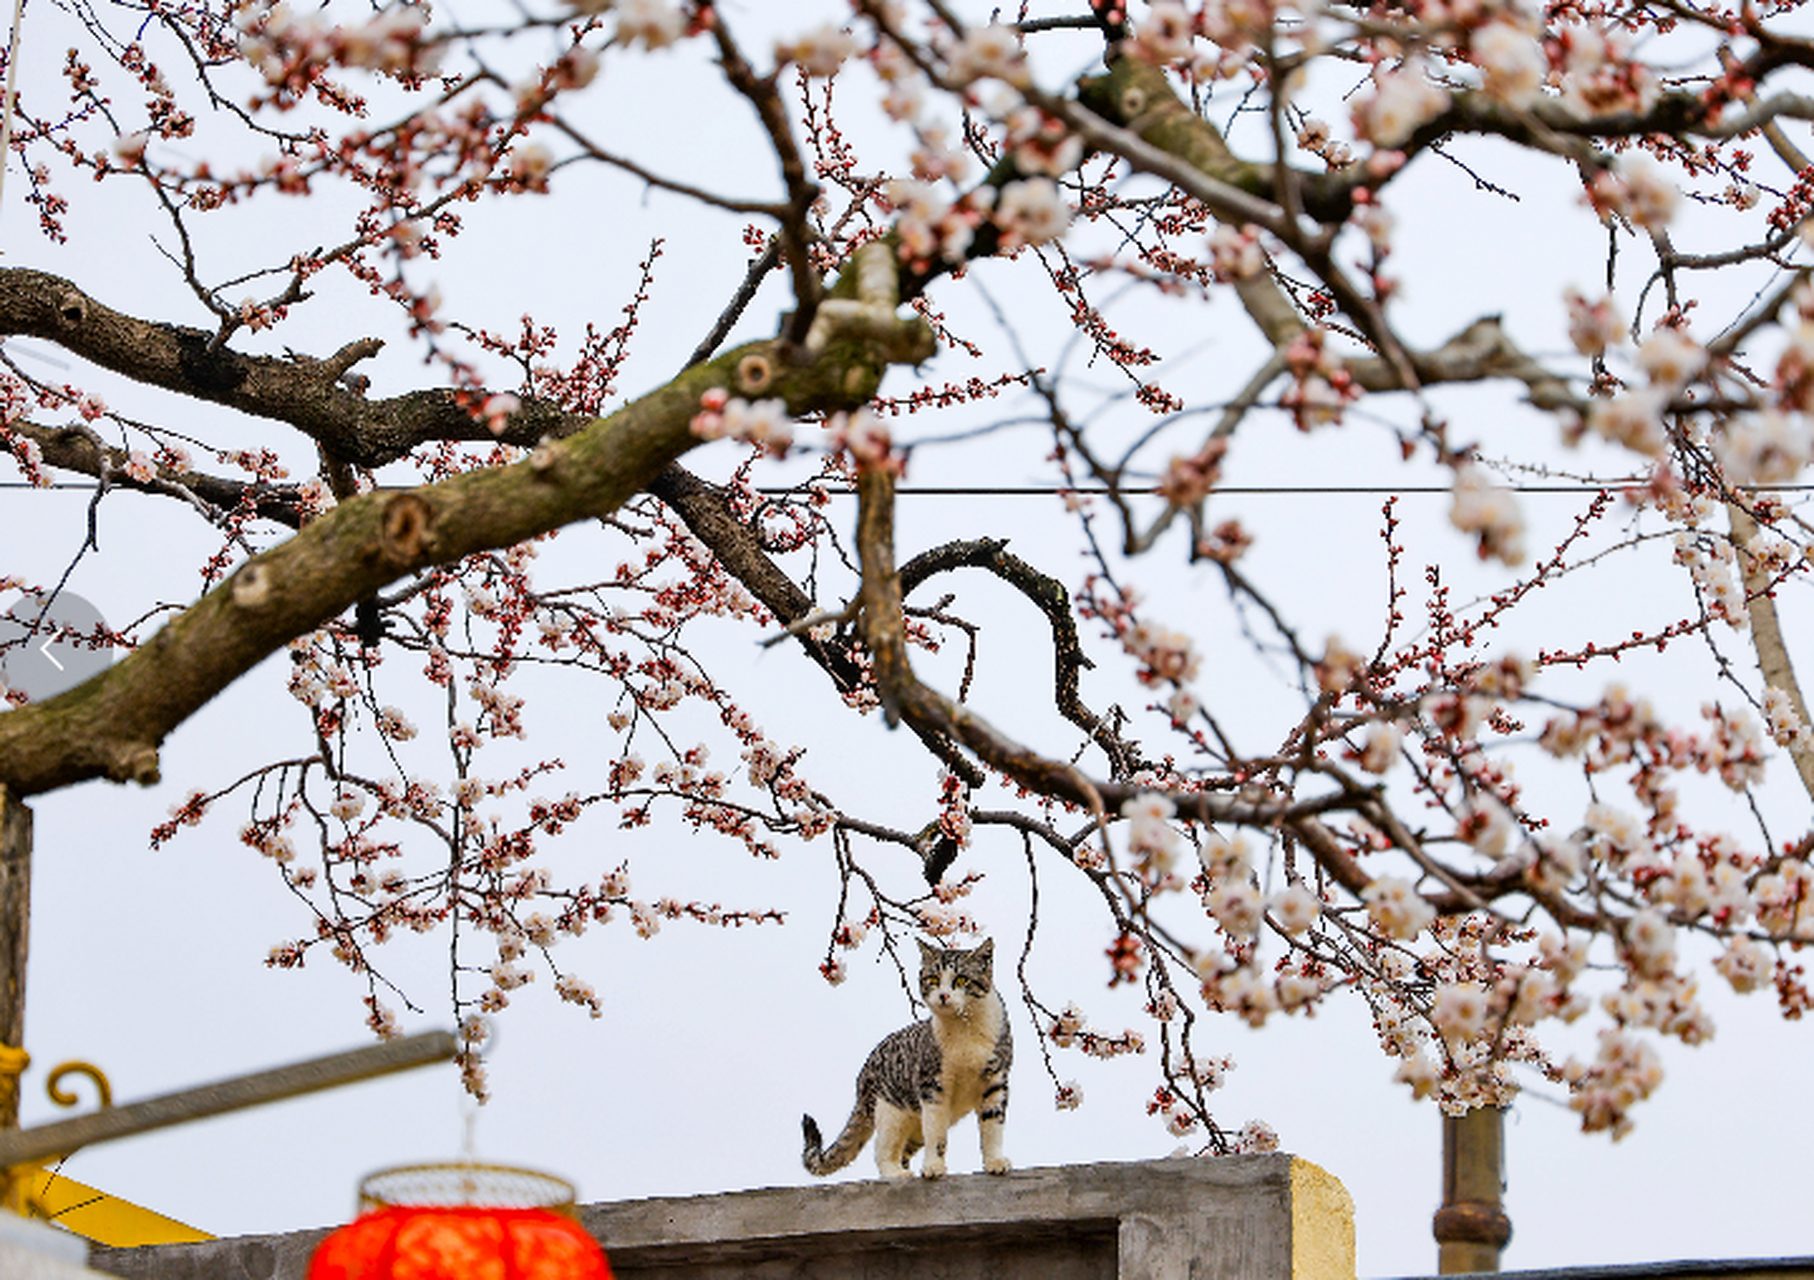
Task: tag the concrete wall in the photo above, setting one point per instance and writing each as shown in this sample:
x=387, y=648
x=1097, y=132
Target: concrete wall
x=1271, y=1217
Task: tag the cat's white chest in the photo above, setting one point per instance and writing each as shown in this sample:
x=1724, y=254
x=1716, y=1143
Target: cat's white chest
x=966, y=1046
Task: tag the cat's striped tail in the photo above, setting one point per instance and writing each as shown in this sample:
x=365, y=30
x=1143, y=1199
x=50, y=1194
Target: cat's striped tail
x=820, y=1159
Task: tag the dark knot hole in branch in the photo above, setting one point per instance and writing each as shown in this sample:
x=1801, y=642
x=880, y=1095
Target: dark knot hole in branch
x=405, y=532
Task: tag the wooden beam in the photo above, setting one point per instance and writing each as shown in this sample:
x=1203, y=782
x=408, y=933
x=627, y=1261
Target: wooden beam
x=19, y=1146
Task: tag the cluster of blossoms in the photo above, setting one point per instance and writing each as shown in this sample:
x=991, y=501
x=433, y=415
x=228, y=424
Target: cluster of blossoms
x=1765, y=447
x=820, y=51
x=1512, y=63
x=1624, y=1072
x=652, y=24
x=762, y=423
x=1188, y=481
x=1396, y=908
x=290, y=50
x=1031, y=212
x=1621, y=730
x=865, y=436
x=931, y=227
x=1151, y=840
x=1635, y=188
x=1321, y=388
x=1599, y=73
x=989, y=52
x=1070, y=1029
x=1178, y=1112
x=1041, y=145
x=1235, y=253
x=1165, y=656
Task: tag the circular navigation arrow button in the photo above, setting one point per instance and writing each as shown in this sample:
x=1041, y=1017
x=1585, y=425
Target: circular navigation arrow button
x=44, y=652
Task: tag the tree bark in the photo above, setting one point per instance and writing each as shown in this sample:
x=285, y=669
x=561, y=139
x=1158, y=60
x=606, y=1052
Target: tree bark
x=1767, y=639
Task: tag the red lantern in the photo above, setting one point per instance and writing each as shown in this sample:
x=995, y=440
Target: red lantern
x=438, y=1240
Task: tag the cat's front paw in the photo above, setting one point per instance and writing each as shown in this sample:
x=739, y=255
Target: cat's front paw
x=932, y=1167
x=1000, y=1164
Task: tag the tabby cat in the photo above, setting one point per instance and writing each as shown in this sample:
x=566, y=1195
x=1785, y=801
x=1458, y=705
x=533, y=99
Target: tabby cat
x=923, y=1078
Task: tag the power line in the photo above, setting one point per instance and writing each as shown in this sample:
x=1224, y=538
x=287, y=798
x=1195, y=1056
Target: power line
x=1053, y=491
x=1236, y=490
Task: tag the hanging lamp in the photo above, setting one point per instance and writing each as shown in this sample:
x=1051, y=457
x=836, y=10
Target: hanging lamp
x=461, y=1222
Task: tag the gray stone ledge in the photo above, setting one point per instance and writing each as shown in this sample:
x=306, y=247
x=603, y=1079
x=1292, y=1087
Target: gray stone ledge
x=1269, y=1217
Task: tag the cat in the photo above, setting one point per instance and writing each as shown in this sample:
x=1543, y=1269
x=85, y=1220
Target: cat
x=922, y=1079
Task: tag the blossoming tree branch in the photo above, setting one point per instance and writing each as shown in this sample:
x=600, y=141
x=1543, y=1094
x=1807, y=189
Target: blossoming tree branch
x=955, y=220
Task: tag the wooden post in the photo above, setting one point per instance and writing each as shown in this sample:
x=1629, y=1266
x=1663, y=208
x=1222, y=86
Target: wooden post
x=15, y=936
x=1471, y=1227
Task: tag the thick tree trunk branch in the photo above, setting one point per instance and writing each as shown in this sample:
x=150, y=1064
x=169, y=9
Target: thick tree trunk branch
x=1767, y=638
x=307, y=394
x=1136, y=95
x=1135, y=115
x=112, y=725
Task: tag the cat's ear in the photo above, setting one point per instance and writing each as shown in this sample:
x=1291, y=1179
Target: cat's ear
x=985, y=954
x=928, y=954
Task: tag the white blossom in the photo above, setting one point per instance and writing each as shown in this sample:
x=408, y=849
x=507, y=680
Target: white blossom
x=1490, y=512
x=1397, y=907
x=820, y=51
x=1404, y=99
x=1512, y=63
x=1031, y=212
x=1459, y=1010
x=1768, y=447
x=1633, y=419
x=1237, y=907
x=655, y=24
x=1669, y=358
x=1295, y=908
x=989, y=52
